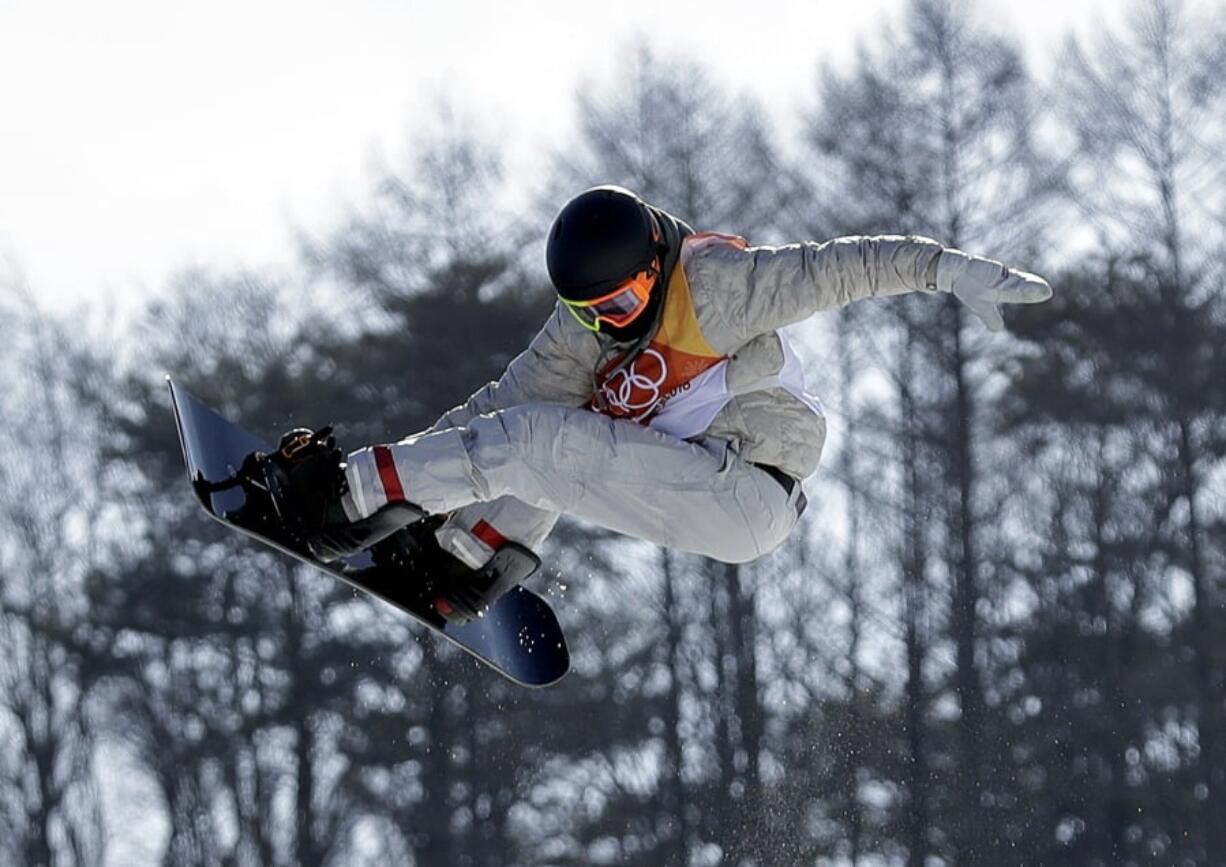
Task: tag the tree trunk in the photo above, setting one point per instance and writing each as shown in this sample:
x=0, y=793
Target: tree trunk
x=432, y=840
x=914, y=567
x=1209, y=773
x=971, y=838
x=307, y=852
x=854, y=740
x=675, y=803
x=724, y=814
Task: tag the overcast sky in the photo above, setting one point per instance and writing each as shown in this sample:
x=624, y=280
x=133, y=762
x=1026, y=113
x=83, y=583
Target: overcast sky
x=137, y=136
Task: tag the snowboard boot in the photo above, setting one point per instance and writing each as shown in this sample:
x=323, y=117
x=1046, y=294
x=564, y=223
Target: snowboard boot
x=468, y=595
x=458, y=593
x=306, y=478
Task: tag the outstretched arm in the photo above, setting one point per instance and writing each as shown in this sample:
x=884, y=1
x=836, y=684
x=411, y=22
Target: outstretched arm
x=768, y=287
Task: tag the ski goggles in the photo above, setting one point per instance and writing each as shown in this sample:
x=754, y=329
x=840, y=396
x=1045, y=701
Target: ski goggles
x=621, y=306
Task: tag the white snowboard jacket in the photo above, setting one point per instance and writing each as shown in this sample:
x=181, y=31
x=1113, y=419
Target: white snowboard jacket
x=717, y=363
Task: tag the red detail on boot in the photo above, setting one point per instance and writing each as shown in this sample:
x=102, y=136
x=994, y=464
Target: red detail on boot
x=443, y=607
x=485, y=531
x=388, y=475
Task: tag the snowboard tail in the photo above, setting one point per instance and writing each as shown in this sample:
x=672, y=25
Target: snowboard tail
x=519, y=636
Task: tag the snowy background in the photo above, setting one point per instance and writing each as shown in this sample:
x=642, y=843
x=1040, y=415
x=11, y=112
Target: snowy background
x=998, y=639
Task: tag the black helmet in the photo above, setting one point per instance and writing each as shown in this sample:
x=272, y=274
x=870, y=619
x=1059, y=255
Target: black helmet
x=600, y=238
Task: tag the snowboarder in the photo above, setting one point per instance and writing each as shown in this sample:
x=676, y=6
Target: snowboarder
x=660, y=399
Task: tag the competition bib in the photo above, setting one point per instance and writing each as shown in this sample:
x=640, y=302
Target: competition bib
x=676, y=384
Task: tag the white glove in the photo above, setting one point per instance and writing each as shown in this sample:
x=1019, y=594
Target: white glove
x=984, y=284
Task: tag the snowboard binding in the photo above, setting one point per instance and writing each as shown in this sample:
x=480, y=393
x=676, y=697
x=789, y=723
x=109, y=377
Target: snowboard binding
x=457, y=593
x=298, y=489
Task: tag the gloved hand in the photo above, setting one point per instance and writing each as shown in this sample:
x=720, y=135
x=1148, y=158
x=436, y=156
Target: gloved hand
x=984, y=284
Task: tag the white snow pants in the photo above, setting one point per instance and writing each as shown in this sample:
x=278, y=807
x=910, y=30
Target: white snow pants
x=508, y=474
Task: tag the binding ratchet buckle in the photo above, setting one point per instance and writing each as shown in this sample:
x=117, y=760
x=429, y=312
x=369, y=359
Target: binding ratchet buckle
x=299, y=441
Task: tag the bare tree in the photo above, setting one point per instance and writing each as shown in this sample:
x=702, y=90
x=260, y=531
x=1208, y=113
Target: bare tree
x=668, y=132
x=50, y=536
x=936, y=134
x=1147, y=107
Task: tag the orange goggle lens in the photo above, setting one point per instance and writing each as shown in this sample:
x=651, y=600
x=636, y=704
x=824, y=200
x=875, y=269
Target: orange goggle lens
x=620, y=307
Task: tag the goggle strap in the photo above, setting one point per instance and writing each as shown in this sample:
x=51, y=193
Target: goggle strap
x=594, y=325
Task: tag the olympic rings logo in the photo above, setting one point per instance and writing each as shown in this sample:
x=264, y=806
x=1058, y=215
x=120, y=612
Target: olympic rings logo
x=632, y=389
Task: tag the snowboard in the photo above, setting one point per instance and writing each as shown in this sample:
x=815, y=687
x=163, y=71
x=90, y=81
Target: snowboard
x=519, y=636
